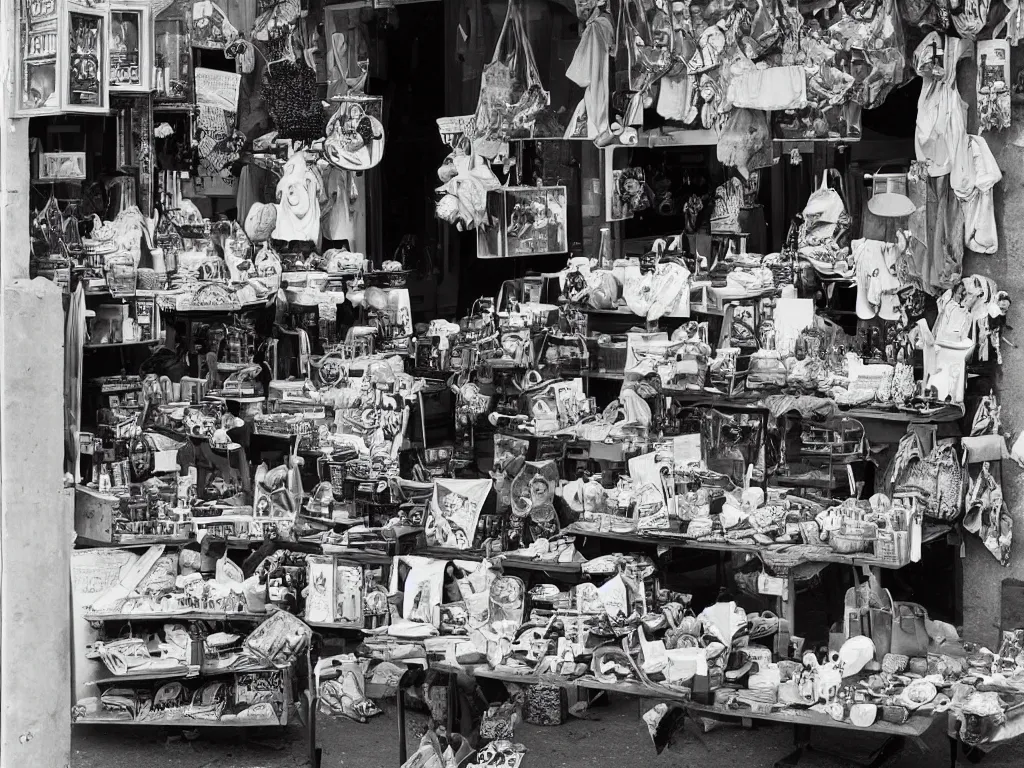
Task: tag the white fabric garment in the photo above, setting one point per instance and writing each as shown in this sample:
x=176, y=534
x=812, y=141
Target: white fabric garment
x=940, y=138
x=771, y=89
x=638, y=290
x=298, y=207
x=876, y=283
x=344, y=217
x=675, y=98
x=971, y=19
x=945, y=363
x=589, y=70
x=980, y=233
x=671, y=282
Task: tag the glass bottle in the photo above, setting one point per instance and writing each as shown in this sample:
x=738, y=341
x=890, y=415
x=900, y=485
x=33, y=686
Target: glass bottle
x=604, y=253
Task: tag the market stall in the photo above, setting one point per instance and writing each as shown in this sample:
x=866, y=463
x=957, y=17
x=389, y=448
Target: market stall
x=699, y=450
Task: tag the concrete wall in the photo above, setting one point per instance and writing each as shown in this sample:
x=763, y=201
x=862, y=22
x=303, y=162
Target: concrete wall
x=982, y=573
x=36, y=525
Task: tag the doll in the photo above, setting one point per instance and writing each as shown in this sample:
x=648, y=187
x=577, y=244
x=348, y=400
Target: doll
x=997, y=312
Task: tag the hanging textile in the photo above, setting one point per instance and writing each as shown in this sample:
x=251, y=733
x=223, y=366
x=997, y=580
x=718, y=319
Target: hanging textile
x=589, y=70
x=946, y=227
x=940, y=138
x=980, y=233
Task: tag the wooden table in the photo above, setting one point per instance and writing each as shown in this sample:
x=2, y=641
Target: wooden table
x=803, y=721
x=787, y=604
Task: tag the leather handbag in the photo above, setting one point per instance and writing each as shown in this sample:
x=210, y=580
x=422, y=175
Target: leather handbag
x=909, y=631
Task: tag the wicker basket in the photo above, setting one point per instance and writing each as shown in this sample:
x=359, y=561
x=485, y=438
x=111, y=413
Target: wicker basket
x=847, y=543
x=611, y=354
x=452, y=128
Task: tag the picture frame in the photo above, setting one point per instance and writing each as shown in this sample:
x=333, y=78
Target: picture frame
x=38, y=54
x=130, y=43
x=61, y=166
x=84, y=76
x=172, y=59
x=530, y=221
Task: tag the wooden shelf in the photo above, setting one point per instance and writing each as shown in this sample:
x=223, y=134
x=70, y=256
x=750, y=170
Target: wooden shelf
x=123, y=344
x=183, y=723
x=236, y=398
x=144, y=677
x=177, y=616
x=677, y=541
x=357, y=555
x=508, y=561
x=150, y=541
x=335, y=626
x=176, y=674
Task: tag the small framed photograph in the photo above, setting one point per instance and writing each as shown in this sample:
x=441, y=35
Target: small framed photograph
x=38, y=44
x=130, y=47
x=84, y=79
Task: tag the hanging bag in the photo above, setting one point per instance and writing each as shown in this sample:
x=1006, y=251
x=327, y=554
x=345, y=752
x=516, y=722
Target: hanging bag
x=290, y=92
x=511, y=92
x=824, y=235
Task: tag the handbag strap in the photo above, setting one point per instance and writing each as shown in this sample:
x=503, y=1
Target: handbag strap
x=523, y=44
x=510, y=15
x=840, y=186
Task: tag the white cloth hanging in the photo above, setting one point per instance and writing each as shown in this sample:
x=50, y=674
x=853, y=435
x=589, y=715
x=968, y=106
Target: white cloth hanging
x=675, y=98
x=876, y=283
x=589, y=69
x=342, y=218
x=940, y=138
x=298, y=207
x=980, y=233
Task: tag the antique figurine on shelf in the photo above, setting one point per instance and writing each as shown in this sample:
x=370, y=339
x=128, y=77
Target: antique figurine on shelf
x=997, y=312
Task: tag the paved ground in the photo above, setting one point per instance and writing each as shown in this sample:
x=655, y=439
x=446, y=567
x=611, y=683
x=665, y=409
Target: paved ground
x=615, y=739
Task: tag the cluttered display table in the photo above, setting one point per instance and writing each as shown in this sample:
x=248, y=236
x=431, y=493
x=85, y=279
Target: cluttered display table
x=728, y=481
x=280, y=490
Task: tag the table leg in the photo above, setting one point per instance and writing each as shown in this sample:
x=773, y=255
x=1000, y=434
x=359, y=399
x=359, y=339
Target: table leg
x=787, y=612
x=400, y=716
x=453, y=692
x=954, y=744
x=423, y=419
x=312, y=704
x=790, y=760
x=801, y=740
x=887, y=752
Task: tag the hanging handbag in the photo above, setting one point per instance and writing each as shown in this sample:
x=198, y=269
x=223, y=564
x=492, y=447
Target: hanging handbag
x=949, y=482
x=824, y=235
x=291, y=93
x=510, y=100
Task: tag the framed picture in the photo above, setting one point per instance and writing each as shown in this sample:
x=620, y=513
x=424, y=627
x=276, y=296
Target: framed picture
x=38, y=36
x=61, y=166
x=130, y=47
x=84, y=79
x=531, y=221
x=172, y=59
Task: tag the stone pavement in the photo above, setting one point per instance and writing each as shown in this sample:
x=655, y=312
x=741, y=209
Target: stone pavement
x=614, y=738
